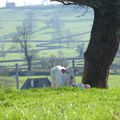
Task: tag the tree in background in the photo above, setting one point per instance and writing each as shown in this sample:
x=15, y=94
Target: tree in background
x=24, y=34
x=104, y=40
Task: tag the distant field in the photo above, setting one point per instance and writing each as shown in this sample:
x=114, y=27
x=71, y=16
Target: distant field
x=71, y=23
x=10, y=18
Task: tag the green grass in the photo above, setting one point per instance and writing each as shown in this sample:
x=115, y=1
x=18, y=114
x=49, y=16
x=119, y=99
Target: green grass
x=60, y=104
x=70, y=52
x=114, y=81
x=54, y=104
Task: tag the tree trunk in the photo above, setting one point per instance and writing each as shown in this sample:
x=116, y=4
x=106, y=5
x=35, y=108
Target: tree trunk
x=103, y=45
x=29, y=62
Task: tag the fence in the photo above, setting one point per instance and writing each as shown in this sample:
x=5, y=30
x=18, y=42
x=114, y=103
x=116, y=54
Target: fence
x=10, y=74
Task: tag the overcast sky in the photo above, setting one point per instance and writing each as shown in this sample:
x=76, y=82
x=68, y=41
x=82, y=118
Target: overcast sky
x=25, y=2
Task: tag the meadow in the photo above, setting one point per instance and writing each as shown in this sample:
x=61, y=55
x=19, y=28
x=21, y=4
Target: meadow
x=62, y=103
x=70, y=23
x=66, y=103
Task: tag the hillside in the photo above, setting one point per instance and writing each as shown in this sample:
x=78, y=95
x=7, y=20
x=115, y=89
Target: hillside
x=51, y=25
x=69, y=17
x=57, y=30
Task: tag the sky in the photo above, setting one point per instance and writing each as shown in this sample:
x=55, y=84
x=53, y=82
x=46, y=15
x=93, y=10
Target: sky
x=26, y=2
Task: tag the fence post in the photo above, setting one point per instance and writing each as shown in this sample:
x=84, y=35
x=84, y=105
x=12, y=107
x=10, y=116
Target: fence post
x=73, y=63
x=17, y=77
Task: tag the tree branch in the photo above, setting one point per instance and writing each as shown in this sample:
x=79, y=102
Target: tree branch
x=90, y=3
x=67, y=3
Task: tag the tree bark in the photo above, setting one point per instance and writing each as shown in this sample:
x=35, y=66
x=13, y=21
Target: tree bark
x=29, y=62
x=27, y=56
x=103, y=45
x=104, y=41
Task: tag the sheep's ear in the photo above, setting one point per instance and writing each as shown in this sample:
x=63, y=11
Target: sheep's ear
x=63, y=70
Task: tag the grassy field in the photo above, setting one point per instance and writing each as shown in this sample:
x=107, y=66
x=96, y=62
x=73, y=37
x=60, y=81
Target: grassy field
x=71, y=21
x=61, y=104
x=10, y=18
x=53, y=104
x=70, y=18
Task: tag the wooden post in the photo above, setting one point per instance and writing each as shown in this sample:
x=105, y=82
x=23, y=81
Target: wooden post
x=73, y=63
x=17, y=77
x=32, y=83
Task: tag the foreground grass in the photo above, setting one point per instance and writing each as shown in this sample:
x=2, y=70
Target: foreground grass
x=60, y=104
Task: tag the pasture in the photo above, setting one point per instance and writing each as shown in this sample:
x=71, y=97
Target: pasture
x=69, y=23
x=66, y=103
x=74, y=30
x=61, y=104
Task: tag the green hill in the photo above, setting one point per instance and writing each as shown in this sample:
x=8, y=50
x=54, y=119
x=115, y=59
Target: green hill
x=68, y=16
x=50, y=24
x=53, y=28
